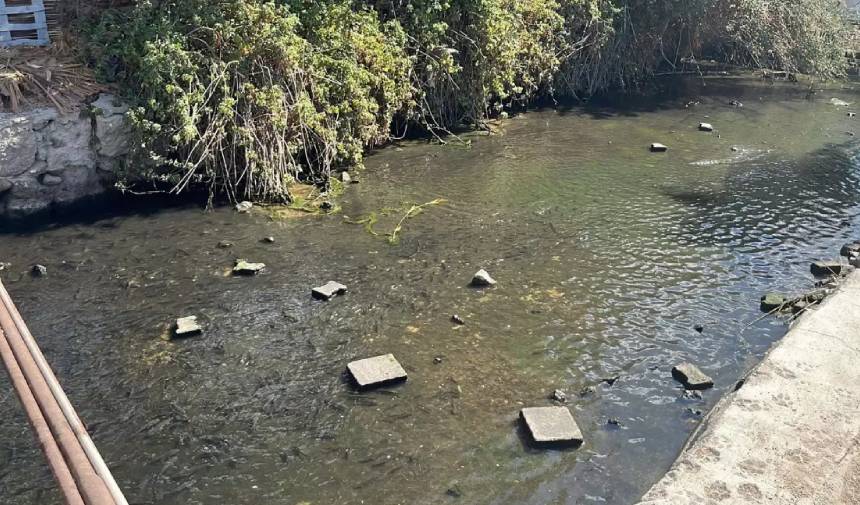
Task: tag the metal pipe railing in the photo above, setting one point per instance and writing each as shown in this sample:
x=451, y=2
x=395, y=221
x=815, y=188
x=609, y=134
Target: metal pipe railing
x=94, y=480
x=67, y=484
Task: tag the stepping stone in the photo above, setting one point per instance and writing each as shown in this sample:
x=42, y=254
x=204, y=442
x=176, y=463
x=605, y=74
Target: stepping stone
x=187, y=326
x=551, y=425
x=822, y=268
x=482, y=279
x=376, y=371
x=242, y=267
x=772, y=301
x=328, y=291
x=706, y=127
x=656, y=147
x=691, y=377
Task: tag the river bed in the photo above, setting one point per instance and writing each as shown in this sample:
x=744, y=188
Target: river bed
x=606, y=256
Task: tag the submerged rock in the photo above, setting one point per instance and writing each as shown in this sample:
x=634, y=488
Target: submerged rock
x=186, y=327
x=691, y=377
x=482, y=279
x=736, y=103
x=457, y=320
x=839, y=103
x=559, y=396
x=549, y=425
x=224, y=244
x=699, y=328
x=39, y=271
x=706, y=127
x=822, y=268
x=376, y=371
x=772, y=301
x=328, y=290
x=850, y=249
x=243, y=267
x=243, y=207
x=268, y=240
x=657, y=147
x=5, y=185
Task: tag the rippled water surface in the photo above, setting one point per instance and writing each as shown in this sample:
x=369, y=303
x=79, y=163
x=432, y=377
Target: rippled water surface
x=607, y=256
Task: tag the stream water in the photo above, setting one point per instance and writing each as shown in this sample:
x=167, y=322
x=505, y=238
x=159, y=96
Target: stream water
x=606, y=255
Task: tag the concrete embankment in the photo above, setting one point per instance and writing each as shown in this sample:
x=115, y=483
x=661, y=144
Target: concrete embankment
x=791, y=433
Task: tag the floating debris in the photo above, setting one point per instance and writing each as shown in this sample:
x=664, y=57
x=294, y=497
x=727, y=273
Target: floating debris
x=482, y=279
x=376, y=371
x=345, y=178
x=839, y=103
x=691, y=377
x=549, y=425
x=328, y=291
x=187, y=327
x=243, y=267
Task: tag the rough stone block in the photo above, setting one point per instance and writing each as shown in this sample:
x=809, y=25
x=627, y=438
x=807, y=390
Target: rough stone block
x=691, y=377
x=187, y=326
x=376, y=371
x=328, y=291
x=243, y=267
x=482, y=279
x=551, y=425
x=822, y=268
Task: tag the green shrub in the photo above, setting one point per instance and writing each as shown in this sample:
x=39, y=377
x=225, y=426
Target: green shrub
x=247, y=96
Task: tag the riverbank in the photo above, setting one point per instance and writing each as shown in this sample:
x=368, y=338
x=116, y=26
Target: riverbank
x=791, y=432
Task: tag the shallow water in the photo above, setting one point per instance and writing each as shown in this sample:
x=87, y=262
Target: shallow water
x=606, y=257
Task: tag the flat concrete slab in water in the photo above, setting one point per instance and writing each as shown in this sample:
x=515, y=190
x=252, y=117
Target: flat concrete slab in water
x=329, y=290
x=691, y=377
x=186, y=327
x=376, y=371
x=551, y=425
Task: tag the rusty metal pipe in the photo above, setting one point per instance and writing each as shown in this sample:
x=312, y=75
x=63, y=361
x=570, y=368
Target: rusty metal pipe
x=92, y=488
x=71, y=415
x=80, y=431
x=68, y=487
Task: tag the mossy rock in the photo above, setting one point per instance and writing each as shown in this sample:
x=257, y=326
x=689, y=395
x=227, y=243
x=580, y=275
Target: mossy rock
x=772, y=301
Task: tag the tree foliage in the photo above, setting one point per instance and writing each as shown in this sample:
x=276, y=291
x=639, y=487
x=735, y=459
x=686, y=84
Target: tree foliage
x=247, y=96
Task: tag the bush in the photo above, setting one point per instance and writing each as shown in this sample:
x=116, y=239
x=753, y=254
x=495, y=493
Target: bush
x=247, y=96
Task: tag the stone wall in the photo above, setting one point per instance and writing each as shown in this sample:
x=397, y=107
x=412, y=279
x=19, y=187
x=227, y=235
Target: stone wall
x=48, y=159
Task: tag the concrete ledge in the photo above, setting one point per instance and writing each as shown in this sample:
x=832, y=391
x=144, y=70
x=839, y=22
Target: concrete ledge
x=791, y=433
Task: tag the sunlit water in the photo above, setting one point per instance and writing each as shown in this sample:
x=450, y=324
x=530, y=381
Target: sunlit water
x=607, y=256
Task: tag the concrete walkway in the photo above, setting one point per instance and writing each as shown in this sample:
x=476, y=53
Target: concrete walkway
x=791, y=433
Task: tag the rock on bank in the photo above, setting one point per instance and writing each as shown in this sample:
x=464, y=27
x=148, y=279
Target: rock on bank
x=48, y=158
x=791, y=433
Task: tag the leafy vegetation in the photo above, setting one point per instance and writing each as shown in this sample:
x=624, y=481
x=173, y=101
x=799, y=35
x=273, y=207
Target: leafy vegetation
x=246, y=97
